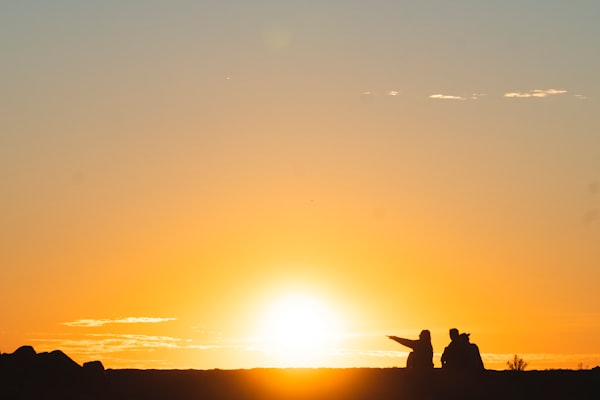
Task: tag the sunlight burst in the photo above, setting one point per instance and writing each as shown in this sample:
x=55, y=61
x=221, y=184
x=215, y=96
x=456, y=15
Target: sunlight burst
x=298, y=330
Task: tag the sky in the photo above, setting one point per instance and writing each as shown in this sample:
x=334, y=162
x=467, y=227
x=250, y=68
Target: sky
x=241, y=184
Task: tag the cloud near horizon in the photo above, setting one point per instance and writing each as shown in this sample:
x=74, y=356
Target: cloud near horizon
x=539, y=93
x=96, y=343
x=128, y=320
x=109, y=346
x=381, y=353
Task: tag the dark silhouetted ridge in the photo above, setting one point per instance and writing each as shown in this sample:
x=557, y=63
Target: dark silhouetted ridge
x=26, y=374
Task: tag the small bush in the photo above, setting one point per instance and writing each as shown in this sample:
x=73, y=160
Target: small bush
x=516, y=364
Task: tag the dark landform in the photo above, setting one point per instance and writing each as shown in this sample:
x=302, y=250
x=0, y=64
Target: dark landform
x=26, y=374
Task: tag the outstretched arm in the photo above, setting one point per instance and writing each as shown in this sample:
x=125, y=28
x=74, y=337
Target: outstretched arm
x=404, y=342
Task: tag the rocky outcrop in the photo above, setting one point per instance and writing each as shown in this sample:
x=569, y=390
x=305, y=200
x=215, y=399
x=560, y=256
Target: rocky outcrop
x=26, y=374
x=94, y=368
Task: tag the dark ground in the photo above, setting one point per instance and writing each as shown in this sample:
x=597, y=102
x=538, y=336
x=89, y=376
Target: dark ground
x=28, y=375
x=316, y=384
x=351, y=384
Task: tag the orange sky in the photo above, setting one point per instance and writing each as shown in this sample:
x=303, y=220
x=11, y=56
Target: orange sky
x=170, y=173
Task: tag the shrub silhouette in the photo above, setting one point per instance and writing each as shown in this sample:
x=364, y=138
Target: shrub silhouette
x=516, y=364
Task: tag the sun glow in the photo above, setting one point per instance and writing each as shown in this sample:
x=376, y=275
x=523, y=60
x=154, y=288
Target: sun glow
x=299, y=330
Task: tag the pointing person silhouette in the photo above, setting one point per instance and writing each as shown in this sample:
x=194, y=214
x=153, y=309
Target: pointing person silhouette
x=422, y=355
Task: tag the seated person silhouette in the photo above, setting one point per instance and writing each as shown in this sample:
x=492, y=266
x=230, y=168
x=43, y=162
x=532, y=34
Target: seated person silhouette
x=473, y=356
x=460, y=354
x=422, y=355
x=451, y=357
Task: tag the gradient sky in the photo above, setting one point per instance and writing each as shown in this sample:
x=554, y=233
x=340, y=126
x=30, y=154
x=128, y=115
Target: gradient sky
x=170, y=171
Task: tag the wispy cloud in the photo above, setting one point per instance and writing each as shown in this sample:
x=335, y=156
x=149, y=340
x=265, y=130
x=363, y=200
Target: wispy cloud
x=446, y=97
x=128, y=320
x=383, y=353
x=113, y=343
x=534, y=93
x=393, y=93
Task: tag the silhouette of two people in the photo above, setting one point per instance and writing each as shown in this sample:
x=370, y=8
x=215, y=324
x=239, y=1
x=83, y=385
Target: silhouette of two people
x=461, y=354
x=421, y=356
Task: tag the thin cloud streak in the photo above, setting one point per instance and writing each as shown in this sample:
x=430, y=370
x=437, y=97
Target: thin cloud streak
x=446, y=97
x=129, y=320
x=534, y=93
x=539, y=93
x=97, y=344
x=475, y=96
x=382, y=353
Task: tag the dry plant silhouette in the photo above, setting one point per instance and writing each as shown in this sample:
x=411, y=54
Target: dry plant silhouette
x=581, y=366
x=516, y=364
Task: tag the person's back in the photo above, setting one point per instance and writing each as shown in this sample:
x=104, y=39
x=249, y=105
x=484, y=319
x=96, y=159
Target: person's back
x=474, y=358
x=470, y=358
x=422, y=355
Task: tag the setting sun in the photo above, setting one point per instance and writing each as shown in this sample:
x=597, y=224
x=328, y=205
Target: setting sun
x=298, y=329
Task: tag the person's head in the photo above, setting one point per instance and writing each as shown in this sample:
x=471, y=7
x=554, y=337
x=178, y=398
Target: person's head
x=453, y=333
x=425, y=335
x=464, y=337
